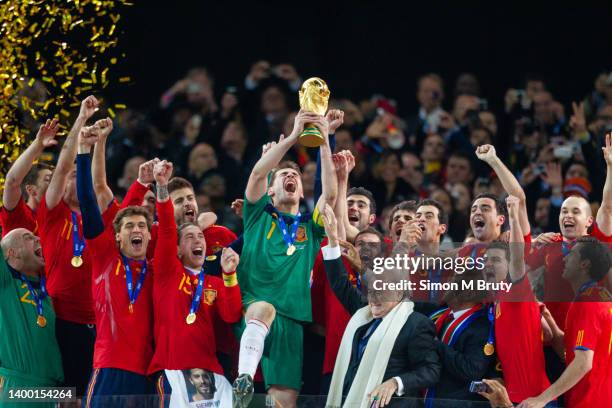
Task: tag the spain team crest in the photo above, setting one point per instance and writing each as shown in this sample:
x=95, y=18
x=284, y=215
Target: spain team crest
x=300, y=235
x=209, y=296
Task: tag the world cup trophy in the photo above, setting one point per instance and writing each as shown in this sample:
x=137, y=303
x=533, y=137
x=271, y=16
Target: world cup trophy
x=314, y=96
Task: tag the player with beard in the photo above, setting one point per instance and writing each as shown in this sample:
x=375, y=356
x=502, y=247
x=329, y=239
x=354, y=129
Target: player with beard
x=68, y=261
x=585, y=344
x=276, y=261
x=28, y=348
x=26, y=183
x=123, y=290
x=400, y=216
x=575, y=221
x=517, y=331
x=361, y=209
x=187, y=298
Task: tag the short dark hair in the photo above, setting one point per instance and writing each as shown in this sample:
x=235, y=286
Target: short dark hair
x=364, y=192
x=500, y=245
x=598, y=254
x=181, y=228
x=442, y=215
x=500, y=206
x=287, y=164
x=408, y=205
x=176, y=183
x=373, y=231
x=128, y=212
x=32, y=177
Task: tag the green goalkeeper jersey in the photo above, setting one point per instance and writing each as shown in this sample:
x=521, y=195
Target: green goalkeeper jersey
x=29, y=354
x=266, y=272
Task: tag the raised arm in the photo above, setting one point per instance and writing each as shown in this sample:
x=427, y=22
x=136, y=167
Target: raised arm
x=512, y=186
x=166, y=249
x=19, y=170
x=92, y=219
x=328, y=171
x=340, y=209
x=350, y=297
x=56, y=188
x=517, y=242
x=98, y=167
x=258, y=180
x=604, y=215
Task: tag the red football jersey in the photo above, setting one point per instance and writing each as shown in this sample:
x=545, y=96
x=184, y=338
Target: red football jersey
x=327, y=309
x=518, y=342
x=558, y=293
x=589, y=327
x=21, y=216
x=179, y=345
x=124, y=340
x=69, y=287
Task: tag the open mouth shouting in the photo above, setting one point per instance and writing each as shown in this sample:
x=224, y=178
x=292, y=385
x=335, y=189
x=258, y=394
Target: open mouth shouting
x=478, y=224
x=422, y=226
x=353, y=217
x=290, y=185
x=189, y=214
x=137, y=243
x=569, y=226
x=38, y=252
x=198, y=251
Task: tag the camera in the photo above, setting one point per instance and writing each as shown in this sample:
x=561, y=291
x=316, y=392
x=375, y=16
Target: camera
x=479, y=386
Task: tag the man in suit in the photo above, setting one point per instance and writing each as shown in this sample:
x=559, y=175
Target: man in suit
x=462, y=330
x=409, y=364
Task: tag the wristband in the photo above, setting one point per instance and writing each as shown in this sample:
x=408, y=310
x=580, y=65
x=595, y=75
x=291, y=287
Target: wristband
x=229, y=279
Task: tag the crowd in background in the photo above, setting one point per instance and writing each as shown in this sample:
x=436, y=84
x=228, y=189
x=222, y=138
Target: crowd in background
x=215, y=140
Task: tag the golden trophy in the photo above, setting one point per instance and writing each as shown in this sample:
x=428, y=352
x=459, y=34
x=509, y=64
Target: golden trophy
x=314, y=95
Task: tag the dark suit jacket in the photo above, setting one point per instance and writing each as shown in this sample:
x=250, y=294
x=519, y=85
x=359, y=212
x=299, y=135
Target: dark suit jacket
x=464, y=362
x=414, y=357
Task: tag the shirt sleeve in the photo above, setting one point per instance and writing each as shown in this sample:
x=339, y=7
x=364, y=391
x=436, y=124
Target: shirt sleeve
x=588, y=325
x=601, y=237
x=19, y=217
x=252, y=211
x=400, y=386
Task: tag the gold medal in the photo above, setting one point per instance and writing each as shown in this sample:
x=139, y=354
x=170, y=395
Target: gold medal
x=488, y=349
x=131, y=308
x=211, y=258
x=76, y=261
x=291, y=250
x=41, y=321
x=191, y=317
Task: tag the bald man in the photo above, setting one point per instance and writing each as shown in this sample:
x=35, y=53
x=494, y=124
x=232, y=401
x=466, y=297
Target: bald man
x=29, y=354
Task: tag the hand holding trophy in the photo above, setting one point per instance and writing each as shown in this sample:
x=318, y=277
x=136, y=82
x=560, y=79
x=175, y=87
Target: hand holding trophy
x=314, y=96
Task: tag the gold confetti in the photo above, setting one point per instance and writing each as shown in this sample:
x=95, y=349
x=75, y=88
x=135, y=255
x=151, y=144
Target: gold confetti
x=46, y=67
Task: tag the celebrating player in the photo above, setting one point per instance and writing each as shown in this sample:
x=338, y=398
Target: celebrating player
x=188, y=299
x=274, y=272
x=123, y=290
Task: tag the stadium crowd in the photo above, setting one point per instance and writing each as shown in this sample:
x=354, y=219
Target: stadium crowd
x=197, y=251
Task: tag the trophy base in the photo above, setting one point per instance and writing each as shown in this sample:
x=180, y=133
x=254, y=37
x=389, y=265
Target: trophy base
x=311, y=137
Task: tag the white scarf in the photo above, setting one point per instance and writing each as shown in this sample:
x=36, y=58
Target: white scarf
x=375, y=358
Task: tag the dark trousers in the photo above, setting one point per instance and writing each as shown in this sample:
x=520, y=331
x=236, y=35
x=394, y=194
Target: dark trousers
x=76, y=344
x=112, y=387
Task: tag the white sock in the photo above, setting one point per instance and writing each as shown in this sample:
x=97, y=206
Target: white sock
x=251, y=347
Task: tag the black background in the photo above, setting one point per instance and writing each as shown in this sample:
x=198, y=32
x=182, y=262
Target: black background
x=362, y=47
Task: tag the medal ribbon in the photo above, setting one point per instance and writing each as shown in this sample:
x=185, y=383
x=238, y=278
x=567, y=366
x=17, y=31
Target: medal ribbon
x=133, y=291
x=565, y=248
x=288, y=237
x=491, y=316
x=589, y=284
x=43, y=292
x=195, y=298
x=78, y=245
